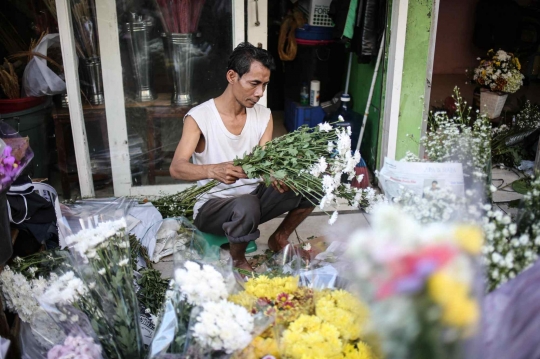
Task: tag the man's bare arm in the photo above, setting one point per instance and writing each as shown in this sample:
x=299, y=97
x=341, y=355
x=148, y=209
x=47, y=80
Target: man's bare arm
x=267, y=135
x=182, y=169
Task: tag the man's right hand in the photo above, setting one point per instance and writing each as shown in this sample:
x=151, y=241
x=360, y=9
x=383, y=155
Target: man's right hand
x=226, y=172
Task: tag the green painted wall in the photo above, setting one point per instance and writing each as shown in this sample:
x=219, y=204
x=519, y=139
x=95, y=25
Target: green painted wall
x=361, y=76
x=414, y=75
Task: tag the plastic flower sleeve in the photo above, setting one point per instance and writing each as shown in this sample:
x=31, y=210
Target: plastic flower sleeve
x=198, y=278
x=420, y=283
x=4, y=346
x=79, y=341
x=15, y=155
x=176, y=236
x=291, y=260
x=98, y=241
x=218, y=329
x=70, y=305
x=35, y=343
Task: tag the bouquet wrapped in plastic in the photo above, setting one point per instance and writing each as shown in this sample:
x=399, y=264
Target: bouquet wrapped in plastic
x=316, y=315
x=22, y=283
x=95, y=233
x=197, y=320
x=15, y=155
x=420, y=283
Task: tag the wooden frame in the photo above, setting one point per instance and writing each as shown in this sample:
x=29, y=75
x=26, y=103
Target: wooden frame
x=396, y=56
x=71, y=64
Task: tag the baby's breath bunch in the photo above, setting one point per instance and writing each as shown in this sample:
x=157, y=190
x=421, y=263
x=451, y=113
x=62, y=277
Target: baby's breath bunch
x=512, y=247
x=505, y=142
x=456, y=140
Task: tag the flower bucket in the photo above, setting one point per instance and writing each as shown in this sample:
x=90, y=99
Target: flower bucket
x=492, y=103
x=20, y=104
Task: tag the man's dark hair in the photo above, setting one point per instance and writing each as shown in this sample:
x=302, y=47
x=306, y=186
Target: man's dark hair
x=244, y=54
x=434, y=182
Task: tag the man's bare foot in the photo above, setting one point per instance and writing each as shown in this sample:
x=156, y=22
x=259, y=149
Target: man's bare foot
x=242, y=264
x=277, y=243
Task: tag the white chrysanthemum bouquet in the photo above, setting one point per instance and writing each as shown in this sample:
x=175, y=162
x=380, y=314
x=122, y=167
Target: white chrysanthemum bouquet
x=197, y=319
x=310, y=161
x=499, y=72
x=101, y=283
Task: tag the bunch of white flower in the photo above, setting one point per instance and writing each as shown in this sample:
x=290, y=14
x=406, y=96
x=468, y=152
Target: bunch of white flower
x=20, y=294
x=435, y=206
x=331, y=168
x=511, y=247
x=66, y=289
x=454, y=140
x=528, y=117
x=199, y=284
x=223, y=326
x=87, y=240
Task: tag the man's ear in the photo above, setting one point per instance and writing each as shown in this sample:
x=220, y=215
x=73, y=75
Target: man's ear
x=232, y=76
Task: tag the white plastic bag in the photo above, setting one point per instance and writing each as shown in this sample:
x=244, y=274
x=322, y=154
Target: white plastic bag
x=38, y=79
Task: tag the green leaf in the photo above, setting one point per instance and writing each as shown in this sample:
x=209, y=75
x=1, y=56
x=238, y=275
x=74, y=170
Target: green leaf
x=267, y=180
x=280, y=174
x=293, y=151
x=521, y=186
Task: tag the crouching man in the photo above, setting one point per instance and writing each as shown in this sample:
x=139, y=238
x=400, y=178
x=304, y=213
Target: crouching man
x=215, y=133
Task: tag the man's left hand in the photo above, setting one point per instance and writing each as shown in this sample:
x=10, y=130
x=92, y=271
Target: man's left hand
x=280, y=186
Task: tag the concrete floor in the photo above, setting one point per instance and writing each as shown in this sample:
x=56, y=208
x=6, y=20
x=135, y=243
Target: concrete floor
x=314, y=226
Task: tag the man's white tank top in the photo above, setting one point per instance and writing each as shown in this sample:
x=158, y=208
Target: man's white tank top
x=223, y=146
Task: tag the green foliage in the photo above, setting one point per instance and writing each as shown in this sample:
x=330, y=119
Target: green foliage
x=152, y=289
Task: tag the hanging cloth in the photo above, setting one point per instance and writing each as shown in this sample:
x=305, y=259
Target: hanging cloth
x=339, y=13
x=371, y=22
x=350, y=22
x=287, y=46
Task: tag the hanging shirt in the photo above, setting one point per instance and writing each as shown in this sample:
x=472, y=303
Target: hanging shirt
x=223, y=146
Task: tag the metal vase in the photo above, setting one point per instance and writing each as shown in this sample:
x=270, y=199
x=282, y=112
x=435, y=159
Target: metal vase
x=137, y=36
x=93, y=81
x=178, y=49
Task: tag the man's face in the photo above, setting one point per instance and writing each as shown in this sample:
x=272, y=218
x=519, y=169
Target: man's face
x=249, y=88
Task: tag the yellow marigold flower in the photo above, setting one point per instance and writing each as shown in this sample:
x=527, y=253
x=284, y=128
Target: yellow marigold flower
x=265, y=346
x=470, y=238
x=344, y=311
x=360, y=351
x=518, y=65
x=270, y=288
x=244, y=299
x=460, y=312
x=442, y=288
x=498, y=63
x=310, y=337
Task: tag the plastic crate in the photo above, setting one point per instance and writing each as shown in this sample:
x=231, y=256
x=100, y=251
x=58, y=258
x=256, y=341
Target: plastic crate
x=317, y=11
x=297, y=115
x=308, y=32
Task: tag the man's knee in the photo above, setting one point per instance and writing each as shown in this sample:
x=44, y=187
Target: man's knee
x=247, y=207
